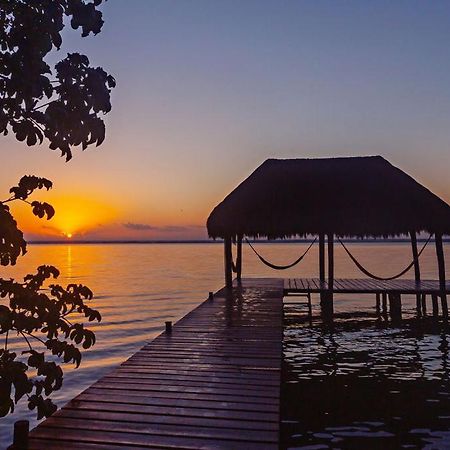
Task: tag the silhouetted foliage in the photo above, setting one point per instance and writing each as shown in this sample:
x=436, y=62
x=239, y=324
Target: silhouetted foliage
x=62, y=106
x=12, y=243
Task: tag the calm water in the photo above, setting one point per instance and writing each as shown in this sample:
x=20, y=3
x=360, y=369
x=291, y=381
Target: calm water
x=394, y=378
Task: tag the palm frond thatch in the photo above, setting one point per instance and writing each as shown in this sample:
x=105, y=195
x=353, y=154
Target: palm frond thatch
x=350, y=197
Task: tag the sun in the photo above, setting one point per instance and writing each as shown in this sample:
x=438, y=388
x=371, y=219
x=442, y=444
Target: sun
x=74, y=217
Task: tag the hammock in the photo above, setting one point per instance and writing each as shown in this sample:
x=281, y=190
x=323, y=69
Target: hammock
x=276, y=267
x=375, y=277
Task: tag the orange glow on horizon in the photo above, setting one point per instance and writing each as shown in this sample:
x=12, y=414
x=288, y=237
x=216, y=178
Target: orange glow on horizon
x=92, y=215
x=74, y=216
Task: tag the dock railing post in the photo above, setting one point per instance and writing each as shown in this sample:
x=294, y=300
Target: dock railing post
x=441, y=268
x=20, y=437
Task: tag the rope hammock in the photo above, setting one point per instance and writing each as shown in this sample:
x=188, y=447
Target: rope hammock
x=375, y=277
x=276, y=267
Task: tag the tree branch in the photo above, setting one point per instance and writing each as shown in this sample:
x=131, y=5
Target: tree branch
x=28, y=342
x=33, y=336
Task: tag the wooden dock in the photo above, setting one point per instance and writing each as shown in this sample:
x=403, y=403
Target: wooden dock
x=362, y=286
x=213, y=382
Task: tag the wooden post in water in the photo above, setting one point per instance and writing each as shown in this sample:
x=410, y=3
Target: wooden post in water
x=20, y=437
x=441, y=268
x=384, y=299
x=395, y=306
x=377, y=302
x=228, y=261
x=423, y=298
x=434, y=302
x=322, y=265
x=239, y=257
x=416, y=268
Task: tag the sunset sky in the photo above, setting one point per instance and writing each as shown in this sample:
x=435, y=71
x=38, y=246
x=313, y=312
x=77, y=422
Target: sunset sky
x=207, y=90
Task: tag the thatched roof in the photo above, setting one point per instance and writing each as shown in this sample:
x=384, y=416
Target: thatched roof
x=358, y=196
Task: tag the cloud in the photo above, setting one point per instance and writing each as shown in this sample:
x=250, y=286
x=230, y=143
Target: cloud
x=173, y=228
x=139, y=226
x=165, y=228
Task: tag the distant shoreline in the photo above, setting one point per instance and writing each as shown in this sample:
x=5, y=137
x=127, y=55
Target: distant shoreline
x=218, y=241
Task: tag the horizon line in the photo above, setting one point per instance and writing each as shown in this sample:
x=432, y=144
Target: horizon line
x=218, y=241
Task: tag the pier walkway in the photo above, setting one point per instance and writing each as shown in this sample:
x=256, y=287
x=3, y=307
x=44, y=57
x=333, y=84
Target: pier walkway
x=363, y=286
x=383, y=290
x=212, y=382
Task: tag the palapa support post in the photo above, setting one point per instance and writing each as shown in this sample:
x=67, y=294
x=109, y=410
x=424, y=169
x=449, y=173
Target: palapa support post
x=239, y=258
x=169, y=327
x=211, y=296
x=228, y=262
x=20, y=437
x=330, y=238
x=327, y=304
x=322, y=265
x=441, y=268
x=415, y=254
x=331, y=263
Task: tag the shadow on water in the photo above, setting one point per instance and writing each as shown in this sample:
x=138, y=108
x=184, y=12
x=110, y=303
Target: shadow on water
x=364, y=382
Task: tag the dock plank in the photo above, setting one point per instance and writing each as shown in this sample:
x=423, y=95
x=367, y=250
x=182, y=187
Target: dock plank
x=111, y=437
x=214, y=382
x=164, y=429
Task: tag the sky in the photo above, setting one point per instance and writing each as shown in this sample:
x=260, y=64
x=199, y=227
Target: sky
x=207, y=90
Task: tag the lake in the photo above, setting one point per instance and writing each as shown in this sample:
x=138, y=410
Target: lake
x=335, y=376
